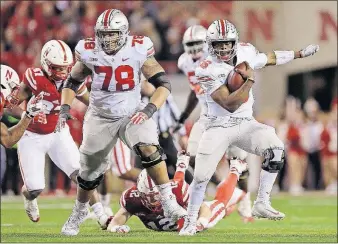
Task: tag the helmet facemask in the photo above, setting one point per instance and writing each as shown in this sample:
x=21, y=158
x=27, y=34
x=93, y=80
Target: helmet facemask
x=110, y=40
x=59, y=72
x=151, y=200
x=194, y=48
x=224, y=50
x=12, y=98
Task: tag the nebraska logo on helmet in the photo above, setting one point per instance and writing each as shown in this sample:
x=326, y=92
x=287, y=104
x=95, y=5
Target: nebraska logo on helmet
x=10, y=83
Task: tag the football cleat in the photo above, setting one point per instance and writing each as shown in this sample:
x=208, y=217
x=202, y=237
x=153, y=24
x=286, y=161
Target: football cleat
x=264, y=210
x=72, y=226
x=189, y=228
x=32, y=209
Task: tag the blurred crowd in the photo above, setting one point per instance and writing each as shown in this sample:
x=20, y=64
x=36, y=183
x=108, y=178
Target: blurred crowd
x=309, y=134
x=27, y=25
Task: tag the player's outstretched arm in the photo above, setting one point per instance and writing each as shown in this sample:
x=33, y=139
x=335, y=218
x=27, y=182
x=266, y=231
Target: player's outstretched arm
x=232, y=101
x=283, y=57
x=118, y=222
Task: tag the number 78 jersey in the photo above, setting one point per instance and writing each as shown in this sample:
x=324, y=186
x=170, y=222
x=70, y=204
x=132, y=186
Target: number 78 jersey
x=116, y=86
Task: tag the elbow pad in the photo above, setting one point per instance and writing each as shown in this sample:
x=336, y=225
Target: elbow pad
x=160, y=79
x=283, y=57
x=71, y=83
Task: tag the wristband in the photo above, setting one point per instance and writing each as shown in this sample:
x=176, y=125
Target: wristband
x=149, y=110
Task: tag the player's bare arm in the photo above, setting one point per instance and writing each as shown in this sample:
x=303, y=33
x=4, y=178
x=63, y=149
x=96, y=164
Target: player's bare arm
x=155, y=74
x=83, y=95
x=76, y=77
x=9, y=137
x=118, y=222
x=232, y=101
x=283, y=57
x=147, y=89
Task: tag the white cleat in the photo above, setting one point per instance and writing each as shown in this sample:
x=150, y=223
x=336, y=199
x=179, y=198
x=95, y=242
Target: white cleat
x=32, y=209
x=264, y=210
x=173, y=210
x=244, y=209
x=189, y=228
x=238, y=166
x=104, y=221
x=72, y=226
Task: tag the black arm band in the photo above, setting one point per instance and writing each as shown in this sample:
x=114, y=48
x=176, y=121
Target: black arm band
x=160, y=79
x=150, y=109
x=71, y=83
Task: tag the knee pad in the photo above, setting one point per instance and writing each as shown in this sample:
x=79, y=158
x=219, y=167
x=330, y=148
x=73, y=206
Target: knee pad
x=34, y=194
x=274, y=159
x=151, y=160
x=89, y=185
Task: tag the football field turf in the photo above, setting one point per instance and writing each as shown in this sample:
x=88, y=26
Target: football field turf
x=310, y=218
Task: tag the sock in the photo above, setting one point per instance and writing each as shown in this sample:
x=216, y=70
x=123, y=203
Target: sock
x=81, y=205
x=98, y=209
x=265, y=185
x=105, y=199
x=226, y=189
x=166, y=192
x=197, y=192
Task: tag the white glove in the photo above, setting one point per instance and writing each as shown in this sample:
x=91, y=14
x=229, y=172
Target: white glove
x=35, y=106
x=309, y=50
x=182, y=160
x=119, y=228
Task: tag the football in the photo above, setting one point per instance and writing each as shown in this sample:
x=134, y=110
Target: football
x=235, y=80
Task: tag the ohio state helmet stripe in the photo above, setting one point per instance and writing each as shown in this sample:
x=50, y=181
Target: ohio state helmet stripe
x=64, y=51
x=222, y=27
x=106, y=17
x=191, y=32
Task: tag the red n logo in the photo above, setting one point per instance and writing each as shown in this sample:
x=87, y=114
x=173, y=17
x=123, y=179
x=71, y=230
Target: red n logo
x=8, y=74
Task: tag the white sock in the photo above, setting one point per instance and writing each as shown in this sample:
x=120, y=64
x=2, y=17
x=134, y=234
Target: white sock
x=105, y=199
x=197, y=192
x=166, y=192
x=98, y=209
x=265, y=185
x=81, y=205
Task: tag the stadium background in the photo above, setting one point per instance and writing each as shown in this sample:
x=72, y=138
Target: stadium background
x=27, y=25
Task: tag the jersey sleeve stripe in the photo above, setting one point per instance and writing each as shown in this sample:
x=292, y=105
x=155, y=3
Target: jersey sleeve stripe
x=204, y=78
x=30, y=79
x=151, y=52
x=123, y=199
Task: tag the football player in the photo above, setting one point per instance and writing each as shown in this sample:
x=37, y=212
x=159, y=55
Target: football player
x=9, y=85
x=39, y=138
x=115, y=60
x=196, y=50
x=143, y=200
x=231, y=121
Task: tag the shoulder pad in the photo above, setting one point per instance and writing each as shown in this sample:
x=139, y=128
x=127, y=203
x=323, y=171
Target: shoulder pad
x=143, y=45
x=83, y=46
x=32, y=77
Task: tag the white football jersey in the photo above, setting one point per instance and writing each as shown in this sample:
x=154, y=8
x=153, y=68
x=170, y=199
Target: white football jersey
x=116, y=87
x=188, y=66
x=212, y=74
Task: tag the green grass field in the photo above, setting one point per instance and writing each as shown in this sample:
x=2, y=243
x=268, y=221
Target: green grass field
x=310, y=218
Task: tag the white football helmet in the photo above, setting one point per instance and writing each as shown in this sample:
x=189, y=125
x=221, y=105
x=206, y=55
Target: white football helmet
x=111, y=30
x=222, y=31
x=150, y=195
x=194, y=41
x=56, y=60
x=10, y=83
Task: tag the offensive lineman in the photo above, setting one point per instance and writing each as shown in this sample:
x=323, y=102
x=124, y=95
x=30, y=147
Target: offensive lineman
x=115, y=60
x=231, y=116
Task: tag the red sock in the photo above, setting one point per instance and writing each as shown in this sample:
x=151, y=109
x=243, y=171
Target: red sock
x=226, y=189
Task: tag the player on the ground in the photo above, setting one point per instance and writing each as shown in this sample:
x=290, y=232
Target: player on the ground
x=39, y=138
x=143, y=200
x=115, y=60
x=196, y=50
x=9, y=85
x=231, y=121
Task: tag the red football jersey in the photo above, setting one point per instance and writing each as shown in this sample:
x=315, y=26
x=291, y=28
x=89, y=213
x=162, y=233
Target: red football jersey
x=293, y=138
x=36, y=80
x=154, y=220
x=329, y=140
